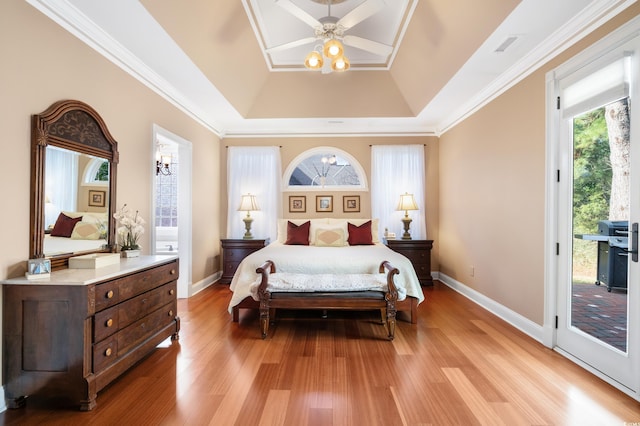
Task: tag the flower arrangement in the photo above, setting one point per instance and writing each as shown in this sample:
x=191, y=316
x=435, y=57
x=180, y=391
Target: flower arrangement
x=130, y=228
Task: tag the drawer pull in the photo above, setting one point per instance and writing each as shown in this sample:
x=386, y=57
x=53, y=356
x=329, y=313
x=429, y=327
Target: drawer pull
x=109, y=322
x=173, y=272
x=170, y=313
x=110, y=294
x=108, y=352
x=171, y=292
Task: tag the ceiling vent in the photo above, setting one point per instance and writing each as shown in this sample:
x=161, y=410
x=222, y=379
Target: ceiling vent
x=506, y=43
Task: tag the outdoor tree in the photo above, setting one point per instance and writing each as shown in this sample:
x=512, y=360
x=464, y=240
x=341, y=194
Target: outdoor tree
x=617, y=118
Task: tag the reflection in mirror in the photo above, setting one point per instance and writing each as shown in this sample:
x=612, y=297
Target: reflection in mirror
x=74, y=162
x=75, y=187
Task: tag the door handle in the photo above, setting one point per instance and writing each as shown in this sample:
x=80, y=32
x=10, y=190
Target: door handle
x=634, y=242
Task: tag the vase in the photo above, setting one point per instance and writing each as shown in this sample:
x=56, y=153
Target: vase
x=130, y=253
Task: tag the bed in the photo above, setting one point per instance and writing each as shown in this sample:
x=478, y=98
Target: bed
x=323, y=255
x=76, y=232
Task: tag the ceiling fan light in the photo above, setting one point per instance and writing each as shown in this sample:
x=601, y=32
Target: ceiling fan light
x=333, y=48
x=340, y=64
x=313, y=61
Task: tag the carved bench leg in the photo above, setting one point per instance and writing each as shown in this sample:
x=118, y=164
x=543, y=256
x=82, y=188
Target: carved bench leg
x=264, y=317
x=383, y=316
x=391, y=319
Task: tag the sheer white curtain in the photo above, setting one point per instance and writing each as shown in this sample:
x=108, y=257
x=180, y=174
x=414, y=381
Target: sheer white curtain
x=396, y=169
x=61, y=180
x=256, y=171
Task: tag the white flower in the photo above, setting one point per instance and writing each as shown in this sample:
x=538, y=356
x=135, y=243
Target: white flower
x=130, y=229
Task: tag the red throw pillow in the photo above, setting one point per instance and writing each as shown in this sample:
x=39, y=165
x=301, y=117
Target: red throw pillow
x=64, y=225
x=298, y=234
x=360, y=235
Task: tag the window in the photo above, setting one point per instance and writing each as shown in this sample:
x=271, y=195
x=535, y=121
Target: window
x=96, y=171
x=167, y=196
x=398, y=169
x=324, y=167
x=254, y=170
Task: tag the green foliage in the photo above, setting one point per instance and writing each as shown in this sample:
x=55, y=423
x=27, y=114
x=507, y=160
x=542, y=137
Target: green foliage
x=591, y=171
x=103, y=172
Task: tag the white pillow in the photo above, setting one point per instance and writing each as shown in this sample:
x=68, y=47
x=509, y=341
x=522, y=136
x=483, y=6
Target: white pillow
x=330, y=237
x=85, y=231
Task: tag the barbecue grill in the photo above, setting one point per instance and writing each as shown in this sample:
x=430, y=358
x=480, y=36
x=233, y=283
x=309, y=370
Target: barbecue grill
x=613, y=253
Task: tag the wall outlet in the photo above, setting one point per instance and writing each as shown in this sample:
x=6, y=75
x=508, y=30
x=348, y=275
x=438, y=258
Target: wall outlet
x=472, y=271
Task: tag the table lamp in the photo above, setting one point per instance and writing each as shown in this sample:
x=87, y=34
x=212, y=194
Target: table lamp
x=407, y=202
x=248, y=204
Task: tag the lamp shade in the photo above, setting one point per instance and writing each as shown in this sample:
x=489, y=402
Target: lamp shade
x=333, y=48
x=407, y=202
x=248, y=203
x=314, y=60
x=340, y=63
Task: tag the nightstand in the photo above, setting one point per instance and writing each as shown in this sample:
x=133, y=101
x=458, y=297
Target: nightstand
x=233, y=251
x=419, y=253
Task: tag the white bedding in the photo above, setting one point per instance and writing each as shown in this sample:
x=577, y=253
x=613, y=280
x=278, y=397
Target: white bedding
x=324, y=260
x=61, y=245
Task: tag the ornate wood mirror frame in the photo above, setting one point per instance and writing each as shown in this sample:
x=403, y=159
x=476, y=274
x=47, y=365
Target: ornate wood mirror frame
x=75, y=126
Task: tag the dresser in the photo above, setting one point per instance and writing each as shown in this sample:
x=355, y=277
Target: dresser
x=419, y=253
x=70, y=335
x=233, y=251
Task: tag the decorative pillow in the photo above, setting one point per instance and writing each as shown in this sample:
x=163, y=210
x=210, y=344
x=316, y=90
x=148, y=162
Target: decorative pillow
x=330, y=237
x=360, y=235
x=374, y=225
x=85, y=231
x=64, y=225
x=91, y=217
x=298, y=235
x=283, y=223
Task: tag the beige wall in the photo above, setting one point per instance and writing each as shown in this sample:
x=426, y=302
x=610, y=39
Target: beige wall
x=360, y=148
x=42, y=63
x=492, y=183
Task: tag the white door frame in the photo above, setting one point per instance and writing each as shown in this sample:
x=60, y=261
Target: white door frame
x=185, y=149
x=557, y=175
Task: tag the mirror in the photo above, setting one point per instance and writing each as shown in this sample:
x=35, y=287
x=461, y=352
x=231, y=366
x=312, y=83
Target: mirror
x=73, y=174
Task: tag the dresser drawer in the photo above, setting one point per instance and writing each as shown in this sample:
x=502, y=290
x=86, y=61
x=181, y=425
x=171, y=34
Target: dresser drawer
x=112, y=292
x=112, y=319
x=131, y=336
x=127, y=339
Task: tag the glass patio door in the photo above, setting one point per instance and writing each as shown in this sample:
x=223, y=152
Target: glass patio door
x=598, y=214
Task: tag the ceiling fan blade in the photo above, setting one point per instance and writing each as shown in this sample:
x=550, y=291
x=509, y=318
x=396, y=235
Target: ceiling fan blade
x=368, y=45
x=299, y=13
x=360, y=13
x=290, y=45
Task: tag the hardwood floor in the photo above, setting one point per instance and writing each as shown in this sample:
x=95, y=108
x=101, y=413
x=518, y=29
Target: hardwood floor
x=459, y=365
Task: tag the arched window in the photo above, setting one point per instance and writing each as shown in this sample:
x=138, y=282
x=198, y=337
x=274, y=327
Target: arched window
x=324, y=167
x=96, y=172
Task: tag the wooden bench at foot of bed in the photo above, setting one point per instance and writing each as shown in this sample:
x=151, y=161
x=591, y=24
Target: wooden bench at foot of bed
x=271, y=299
x=409, y=306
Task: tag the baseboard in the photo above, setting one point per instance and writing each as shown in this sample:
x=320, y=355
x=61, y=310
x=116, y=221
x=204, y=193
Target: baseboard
x=204, y=283
x=530, y=328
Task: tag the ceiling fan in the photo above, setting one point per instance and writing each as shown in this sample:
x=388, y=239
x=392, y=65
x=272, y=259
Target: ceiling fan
x=331, y=30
